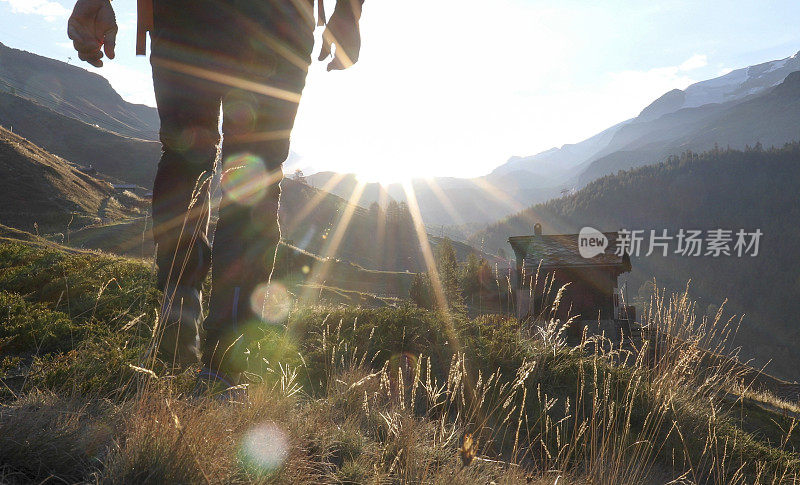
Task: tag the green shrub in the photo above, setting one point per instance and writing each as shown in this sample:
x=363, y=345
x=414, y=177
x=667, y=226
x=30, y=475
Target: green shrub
x=85, y=286
x=35, y=328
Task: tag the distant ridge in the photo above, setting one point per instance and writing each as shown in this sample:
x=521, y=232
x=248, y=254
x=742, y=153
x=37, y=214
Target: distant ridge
x=74, y=92
x=770, y=118
x=718, y=189
x=733, y=109
x=133, y=160
x=42, y=192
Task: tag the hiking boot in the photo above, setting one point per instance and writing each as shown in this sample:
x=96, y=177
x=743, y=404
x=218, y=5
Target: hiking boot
x=182, y=317
x=218, y=386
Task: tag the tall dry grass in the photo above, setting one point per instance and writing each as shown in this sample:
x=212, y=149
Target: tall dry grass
x=398, y=396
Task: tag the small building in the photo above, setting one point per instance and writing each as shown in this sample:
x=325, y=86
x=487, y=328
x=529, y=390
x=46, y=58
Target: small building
x=545, y=263
x=119, y=188
x=90, y=170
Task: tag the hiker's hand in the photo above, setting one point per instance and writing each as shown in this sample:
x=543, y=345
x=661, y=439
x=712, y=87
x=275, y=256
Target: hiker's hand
x=344, y=33
x=91, y=26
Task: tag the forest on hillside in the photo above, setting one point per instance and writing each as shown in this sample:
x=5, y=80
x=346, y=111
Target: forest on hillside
x=381, y=237
x=751, y=189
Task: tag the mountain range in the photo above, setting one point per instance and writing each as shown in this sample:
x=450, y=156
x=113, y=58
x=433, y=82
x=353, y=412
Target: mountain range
x=751, y=190
x=77, y=115
x=43, y=192
x=75, y=93
x=736, y=110
x=643, y=173
x=40, y=191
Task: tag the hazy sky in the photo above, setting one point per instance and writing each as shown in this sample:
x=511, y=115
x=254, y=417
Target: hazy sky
x=455, y=88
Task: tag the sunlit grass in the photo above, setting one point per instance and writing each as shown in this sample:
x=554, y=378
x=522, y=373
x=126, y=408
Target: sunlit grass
x=362, y=395
x=355, y=395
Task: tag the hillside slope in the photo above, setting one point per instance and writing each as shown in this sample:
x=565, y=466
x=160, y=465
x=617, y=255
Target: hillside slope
x=74, y=92
x=771, y=118
x=130, y=159
x=716, y=190
x=76, y=114
x=38, y=187
x=382, y=240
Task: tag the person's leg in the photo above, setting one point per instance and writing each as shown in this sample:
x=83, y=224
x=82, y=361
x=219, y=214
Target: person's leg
x=258, y=118
x=189, y=112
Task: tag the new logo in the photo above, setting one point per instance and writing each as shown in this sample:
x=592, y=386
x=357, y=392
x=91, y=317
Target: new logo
x=591, y=242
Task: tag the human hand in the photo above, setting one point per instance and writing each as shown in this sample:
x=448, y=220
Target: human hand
x=343, y=32
x=91, y=26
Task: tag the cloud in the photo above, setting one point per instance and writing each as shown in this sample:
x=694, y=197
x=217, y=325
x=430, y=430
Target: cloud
x=653, y=81
x=577, y=112
x=134, y=85
x=695, y=62
x=50, y=10
x=634, y=90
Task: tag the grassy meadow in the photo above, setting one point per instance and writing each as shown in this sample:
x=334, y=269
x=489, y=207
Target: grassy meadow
x=350, y=394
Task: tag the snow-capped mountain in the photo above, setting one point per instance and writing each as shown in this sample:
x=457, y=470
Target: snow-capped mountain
x=770, y=117
x=742, y=107
x=741, y=82
x=735, y=85
x=559, y=159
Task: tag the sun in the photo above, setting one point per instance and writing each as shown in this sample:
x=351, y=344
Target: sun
x=385, y=175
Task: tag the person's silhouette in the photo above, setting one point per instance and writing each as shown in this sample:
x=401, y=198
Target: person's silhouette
x=249, y=57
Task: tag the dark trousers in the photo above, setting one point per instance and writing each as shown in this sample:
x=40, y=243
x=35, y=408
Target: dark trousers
x=250, y=57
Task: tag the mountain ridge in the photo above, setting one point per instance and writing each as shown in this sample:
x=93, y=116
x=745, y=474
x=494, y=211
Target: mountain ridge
x=40, y=190
x=721, y=188
x=74, y=92
x=660, y=130
x=770, y=118
x=665, y=127
x=118, y=156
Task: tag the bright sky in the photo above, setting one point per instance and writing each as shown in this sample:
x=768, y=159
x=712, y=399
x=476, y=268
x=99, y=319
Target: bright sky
x=455, y=88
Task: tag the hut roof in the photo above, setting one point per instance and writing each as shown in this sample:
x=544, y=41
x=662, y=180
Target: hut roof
x=561, y=250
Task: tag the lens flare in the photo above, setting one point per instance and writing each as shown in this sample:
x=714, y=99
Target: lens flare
x=186, y=139
x=240, y=117
x=264, y=448
x=245, y=179
x=272, y=301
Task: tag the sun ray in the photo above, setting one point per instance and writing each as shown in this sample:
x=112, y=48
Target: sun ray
x=430, y=263
x=260, y=136
x=328, y=253
x=227, y=79
x=497, y=194
x=383, y=202
x=425, y=246
x=309, y=207
x=445, y=201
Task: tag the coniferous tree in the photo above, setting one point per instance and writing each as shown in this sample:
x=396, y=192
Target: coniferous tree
x=470, y=279
x=421, y=292
x=447, y=265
